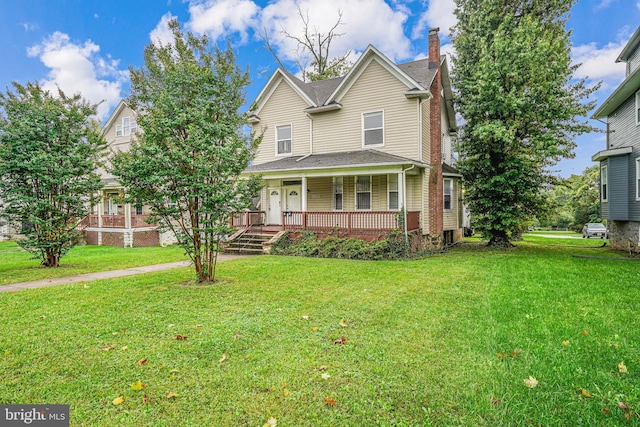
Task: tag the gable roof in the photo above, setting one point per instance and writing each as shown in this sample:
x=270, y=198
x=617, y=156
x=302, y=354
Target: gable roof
x=113, y=116
x=626, y=89
x=417, y=76
x=630, y=47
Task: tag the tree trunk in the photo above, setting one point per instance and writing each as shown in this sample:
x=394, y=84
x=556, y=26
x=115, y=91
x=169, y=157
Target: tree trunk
x=52, y=258
x=499, y=239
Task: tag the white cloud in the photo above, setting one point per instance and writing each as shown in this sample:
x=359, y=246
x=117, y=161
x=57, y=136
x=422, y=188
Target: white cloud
x=362, y=21
x=29, y=26
x=439, y=14
x=219, y=18
x=598, y=63
x=603, y=4
x=161, y=33
x=77, y=68
x=638, y=5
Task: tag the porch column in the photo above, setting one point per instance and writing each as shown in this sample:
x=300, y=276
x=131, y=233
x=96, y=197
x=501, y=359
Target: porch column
x=304, y=194
x=402, y=197
x=100, y=209
x=127, y=215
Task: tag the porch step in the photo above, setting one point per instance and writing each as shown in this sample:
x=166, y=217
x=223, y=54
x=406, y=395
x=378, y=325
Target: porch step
x=248, y=243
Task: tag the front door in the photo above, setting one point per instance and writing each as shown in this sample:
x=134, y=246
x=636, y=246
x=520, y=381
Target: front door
x=293, y=203
x=274, y=215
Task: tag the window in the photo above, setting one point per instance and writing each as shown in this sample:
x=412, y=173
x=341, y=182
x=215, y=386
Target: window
x=603, y=183
x=637, y=179
x=392, y=190
x=373, y=128
x=638, y=108
x=139, y=210
x=448, y=192
x=337, y=193
x=283, y=139
x=363, y=193
x=127, y=127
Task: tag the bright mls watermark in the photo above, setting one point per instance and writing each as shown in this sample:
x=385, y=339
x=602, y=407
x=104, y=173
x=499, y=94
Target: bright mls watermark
x=34, y=415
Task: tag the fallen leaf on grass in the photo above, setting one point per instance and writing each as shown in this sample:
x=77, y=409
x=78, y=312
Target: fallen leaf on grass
x=325, y=376
x=126, y=347
x=342, y=340
x=138, y=386
x=495, y=401
x=531, y=382
x=314, y=329
x=43, y=317
x=286, y=392
x=172, y=395
x=223, y=358
x=615, y=345
x=117, y=401
x=305, y=317
x=107, y=348
x=622, y=368
x=238, y=336
x=174, y=371
x=343, y=323
x=584, y=332
x=198, y=325
x=330, y=402
x=503, y=355
x=271, y=422
x=606, y=411
x=180, y=337
x=585, y=393
x=623, y=406
x=86, y=286
x=142, y=362
x=145, y=399
x=565, y=342
x=323, y=368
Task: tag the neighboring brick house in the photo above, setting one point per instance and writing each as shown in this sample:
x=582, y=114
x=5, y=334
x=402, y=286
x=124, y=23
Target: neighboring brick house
x=362, y=154
x=620, y=162
x=112, y=222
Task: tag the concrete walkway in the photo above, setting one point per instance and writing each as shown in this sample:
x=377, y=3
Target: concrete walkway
x=99, y=275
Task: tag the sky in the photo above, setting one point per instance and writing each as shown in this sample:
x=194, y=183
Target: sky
x=87, y=46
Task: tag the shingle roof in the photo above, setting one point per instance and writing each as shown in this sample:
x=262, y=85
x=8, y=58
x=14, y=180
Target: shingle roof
x=419, y=71
x=333, y=160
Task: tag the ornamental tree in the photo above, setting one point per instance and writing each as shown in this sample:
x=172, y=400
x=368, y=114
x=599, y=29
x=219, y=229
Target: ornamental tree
x=521, y=105
x=50, y=147
x=187, y=160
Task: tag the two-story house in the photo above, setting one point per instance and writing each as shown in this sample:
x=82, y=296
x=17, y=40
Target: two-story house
x=361, y=154
x=620, y=162
x=114, y=223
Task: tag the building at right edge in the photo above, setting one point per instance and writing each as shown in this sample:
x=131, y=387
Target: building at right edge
x=620, y=161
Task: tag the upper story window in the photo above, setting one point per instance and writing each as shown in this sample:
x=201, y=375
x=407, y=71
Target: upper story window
x=448, y=194
x=127, y=127
x=604, y=179
x=637, y=179
x=638, y=108
x=392, y=191
x=373, y=129
x=283, y=140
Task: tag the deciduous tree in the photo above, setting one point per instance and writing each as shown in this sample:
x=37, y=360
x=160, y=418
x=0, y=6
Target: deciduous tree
x=50, y=147
x=186, y=162
x=521, y=105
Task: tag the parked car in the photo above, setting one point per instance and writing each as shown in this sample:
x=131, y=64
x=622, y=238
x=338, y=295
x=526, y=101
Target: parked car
x=594, y=230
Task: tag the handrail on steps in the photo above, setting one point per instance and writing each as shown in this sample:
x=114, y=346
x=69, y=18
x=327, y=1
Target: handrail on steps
x=259, y=218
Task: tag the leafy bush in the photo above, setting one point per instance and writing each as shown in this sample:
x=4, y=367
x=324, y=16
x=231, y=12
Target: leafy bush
x=394, y=246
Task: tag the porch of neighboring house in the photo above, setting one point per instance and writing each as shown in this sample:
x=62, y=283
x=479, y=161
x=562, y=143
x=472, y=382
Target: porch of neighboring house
x=114, y=223
x=366, y=207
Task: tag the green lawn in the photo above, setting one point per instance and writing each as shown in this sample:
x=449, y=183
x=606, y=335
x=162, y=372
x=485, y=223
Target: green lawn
x=17, y=265
x=446, y=340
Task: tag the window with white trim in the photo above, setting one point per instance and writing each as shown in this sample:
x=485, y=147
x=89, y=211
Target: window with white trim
x=638, y=179
x=337, y=193
x=392, y=191
x=283, y=139
x=126, y=127
x=447, y=191
x=373, y=128
x=604, y=179
x=363, y=193
x=638, y=108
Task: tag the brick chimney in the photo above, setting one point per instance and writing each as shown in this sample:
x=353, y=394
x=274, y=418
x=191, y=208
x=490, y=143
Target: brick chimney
x=435, y=107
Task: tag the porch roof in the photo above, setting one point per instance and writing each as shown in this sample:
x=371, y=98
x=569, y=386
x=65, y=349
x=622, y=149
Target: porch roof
x=334, y=160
